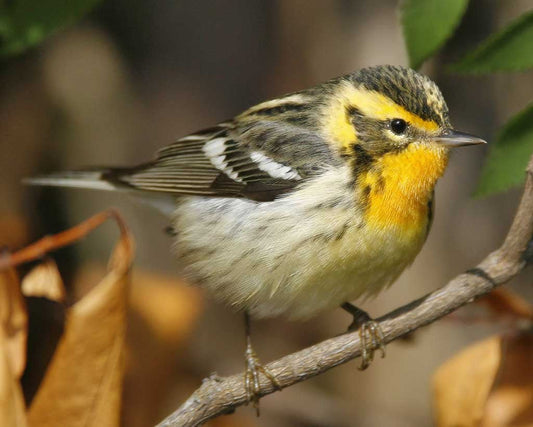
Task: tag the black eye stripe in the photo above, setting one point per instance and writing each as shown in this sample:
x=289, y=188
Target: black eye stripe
x=353, y=111
x=398, y=126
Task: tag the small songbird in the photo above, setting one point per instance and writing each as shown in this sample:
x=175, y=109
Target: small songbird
x=303, y=203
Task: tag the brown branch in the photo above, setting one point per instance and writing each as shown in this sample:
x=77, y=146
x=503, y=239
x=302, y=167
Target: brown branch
x=219, y=395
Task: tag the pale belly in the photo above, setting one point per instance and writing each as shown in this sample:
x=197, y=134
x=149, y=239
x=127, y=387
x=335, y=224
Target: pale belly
x=296, y=256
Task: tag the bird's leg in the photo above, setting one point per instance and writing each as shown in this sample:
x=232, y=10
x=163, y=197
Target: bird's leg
x=369, y=331
x=253, y=369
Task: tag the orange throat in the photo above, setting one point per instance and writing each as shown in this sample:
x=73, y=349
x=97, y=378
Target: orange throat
x=399, y=187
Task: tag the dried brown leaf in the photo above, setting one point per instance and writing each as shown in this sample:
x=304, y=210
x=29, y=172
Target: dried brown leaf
x=13, y=335
x=163, y=313
x=44, y=281
x=12, y=411
x=504, y=303
x=510, y=402
x=462, y=385
x=72, y=235
x=83, y=384
x=14, y=321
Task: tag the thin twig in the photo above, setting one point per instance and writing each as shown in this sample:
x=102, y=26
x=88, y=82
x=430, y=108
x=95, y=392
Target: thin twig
x=219, y=395
x=53, y=242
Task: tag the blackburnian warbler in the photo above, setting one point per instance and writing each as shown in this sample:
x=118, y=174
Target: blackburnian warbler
x=305, y=202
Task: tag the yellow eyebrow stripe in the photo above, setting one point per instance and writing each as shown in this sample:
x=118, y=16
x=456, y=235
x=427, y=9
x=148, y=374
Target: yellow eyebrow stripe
x=374, y=104
x=338, y=125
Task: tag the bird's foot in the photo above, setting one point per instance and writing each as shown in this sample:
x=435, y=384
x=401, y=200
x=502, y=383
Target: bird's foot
x=251, y=377
x=372, y=339
x=370, y=334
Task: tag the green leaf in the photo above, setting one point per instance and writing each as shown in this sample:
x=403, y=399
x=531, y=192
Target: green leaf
x=508, y=50
x=26, y=23
x=427, y=24
x=509, y=155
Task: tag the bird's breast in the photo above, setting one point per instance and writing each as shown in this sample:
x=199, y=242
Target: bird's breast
x=397, y=190
x=301, y=254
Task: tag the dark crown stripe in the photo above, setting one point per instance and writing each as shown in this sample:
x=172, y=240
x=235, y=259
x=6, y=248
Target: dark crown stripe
x=405, y=87
x=280, y=109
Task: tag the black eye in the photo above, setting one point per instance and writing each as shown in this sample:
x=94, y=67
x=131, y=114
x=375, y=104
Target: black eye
x=398, y=126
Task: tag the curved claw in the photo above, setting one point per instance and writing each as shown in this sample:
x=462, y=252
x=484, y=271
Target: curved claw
x=372, y=338
x=370, y=334
x=251, y=377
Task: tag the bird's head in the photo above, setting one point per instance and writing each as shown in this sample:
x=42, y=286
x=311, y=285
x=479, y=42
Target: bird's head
x=391, y=126
x=385, y=110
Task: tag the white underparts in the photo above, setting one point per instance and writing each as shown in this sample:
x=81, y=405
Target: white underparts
x=303, y=253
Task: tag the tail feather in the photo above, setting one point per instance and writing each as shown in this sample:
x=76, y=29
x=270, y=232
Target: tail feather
x=105, y=179
x=95, y=179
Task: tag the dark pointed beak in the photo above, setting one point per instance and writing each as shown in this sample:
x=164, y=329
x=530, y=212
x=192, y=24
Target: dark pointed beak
x=453, y=138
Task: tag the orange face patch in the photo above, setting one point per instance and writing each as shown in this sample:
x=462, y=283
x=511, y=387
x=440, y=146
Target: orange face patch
x=399, y=186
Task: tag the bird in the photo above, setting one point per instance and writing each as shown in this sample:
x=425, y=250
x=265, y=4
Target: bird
x=303, y=203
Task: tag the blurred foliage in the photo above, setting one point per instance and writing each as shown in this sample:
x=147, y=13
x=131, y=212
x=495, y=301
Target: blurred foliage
x=507, y=50
x=508, y=155
x=26, y=23
x=427, y=24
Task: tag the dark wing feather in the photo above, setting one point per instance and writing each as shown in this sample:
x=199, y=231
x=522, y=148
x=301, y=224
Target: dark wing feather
x=247, y=160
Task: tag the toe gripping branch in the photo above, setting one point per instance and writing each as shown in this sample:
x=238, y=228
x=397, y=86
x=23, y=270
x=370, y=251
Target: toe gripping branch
x=253, y=369
x=370, y=333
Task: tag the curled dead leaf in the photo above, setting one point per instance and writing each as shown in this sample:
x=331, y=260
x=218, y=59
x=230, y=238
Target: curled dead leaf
x=12, y=410
x=162, y=314
x=510, y=402
x=462, y=384
x=83, y=384
x=504, y=303
x=14, y=321
x=44, y=281
x=13, y=335
x=489, y=384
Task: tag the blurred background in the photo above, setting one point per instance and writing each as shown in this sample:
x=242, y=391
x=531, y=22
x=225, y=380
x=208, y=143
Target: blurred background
x=134, y=76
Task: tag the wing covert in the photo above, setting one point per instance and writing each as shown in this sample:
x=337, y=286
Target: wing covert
x=257, y=159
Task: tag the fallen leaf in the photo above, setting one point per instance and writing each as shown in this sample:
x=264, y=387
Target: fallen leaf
x=510, y=402
x=12, y=411
x=504, y=303
x=14, y=321
x=44, y=281
x=13, y=334
x=83, y=384
x=163, y=311
x=462, y=385
x=167, y=304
